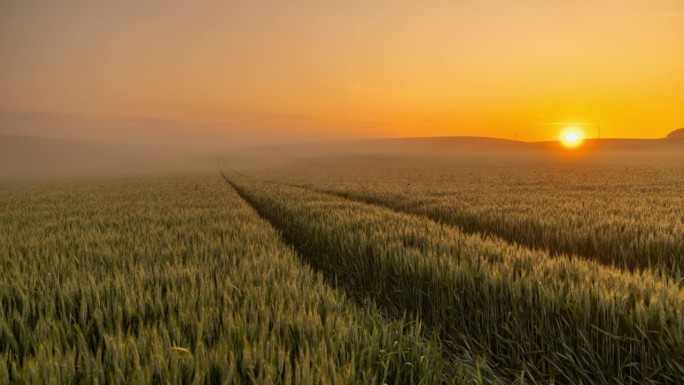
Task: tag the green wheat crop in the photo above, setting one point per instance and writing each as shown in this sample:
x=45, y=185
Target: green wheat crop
x=627, y=216
x=557, y=319
x=178, y=281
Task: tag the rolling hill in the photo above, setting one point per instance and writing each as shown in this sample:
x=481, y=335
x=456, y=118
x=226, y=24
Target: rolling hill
x=36, y=157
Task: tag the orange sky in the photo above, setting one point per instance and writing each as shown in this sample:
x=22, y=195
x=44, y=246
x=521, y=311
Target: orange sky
x=261, y=71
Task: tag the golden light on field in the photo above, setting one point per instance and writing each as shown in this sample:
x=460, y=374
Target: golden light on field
x=572, y=137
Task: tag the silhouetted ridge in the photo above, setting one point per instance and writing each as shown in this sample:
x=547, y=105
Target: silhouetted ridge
x=676, y=134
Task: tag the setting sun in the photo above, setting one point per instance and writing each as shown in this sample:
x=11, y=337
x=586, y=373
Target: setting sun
x=572, y=137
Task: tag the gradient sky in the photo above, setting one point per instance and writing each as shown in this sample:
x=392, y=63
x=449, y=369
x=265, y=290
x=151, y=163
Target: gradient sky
x=243, y=72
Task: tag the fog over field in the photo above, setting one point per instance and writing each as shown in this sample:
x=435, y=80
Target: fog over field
x=355, y=192
x=34, y=157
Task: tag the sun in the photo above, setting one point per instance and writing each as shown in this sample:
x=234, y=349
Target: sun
x=572, y=137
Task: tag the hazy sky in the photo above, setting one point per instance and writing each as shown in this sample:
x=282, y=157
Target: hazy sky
x=243, y=72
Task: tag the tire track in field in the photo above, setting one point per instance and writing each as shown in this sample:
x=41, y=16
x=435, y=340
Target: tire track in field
x=307, y=256
x=487, y=232
x=463, y=366
x=482, y=231
x=452, y=293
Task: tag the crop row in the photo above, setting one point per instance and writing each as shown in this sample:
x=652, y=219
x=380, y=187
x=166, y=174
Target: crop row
x=632, y=219
x=556, y=319
x=178, y=281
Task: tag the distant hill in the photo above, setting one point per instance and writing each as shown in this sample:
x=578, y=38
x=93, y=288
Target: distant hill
x=34, y=157
x=676, y=134
x=464, y=145
x=397, y=146
x=636, y=146
x=455, y=150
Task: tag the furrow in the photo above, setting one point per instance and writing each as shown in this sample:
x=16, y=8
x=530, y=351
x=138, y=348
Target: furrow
x=556, y=319
x=618, y=250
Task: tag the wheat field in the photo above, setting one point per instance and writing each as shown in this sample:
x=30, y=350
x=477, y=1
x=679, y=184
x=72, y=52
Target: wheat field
x=346, y=275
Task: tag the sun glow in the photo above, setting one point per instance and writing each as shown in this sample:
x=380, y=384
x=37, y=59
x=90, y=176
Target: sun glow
x=572, y=137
